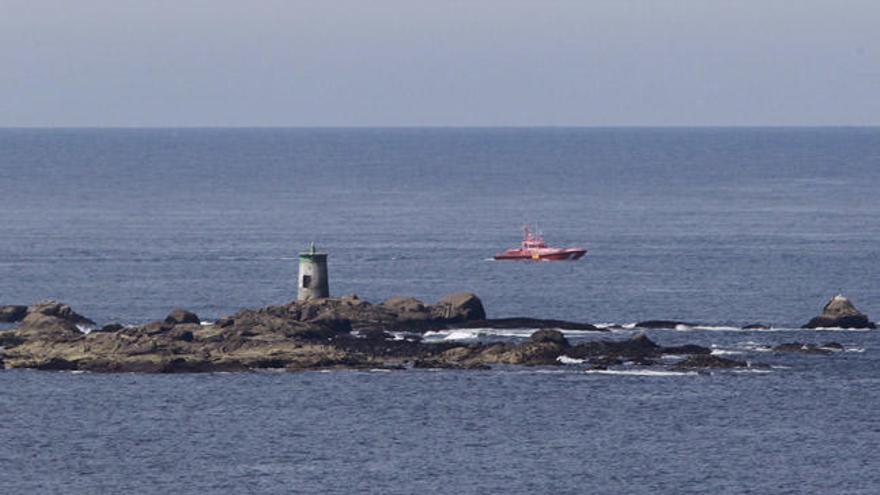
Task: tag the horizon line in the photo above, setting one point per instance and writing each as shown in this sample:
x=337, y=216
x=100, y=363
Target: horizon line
x=342, y=127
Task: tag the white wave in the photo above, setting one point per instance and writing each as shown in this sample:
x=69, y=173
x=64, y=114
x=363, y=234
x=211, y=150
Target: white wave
x=642, y=372
x=855, y=349
x=447, y=335
x=85, y=328
x=473, y=333
x=671, y=357
x=751, y=370
x=206, y=323
x=755, y=346
x=569, y=360
x=725, y=352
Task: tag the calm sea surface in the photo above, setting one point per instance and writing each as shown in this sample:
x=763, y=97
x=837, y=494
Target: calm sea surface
x=722, y=227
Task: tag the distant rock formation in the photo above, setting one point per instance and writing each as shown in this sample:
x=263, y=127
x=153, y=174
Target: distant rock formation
x=840, y=313
x=304, y=335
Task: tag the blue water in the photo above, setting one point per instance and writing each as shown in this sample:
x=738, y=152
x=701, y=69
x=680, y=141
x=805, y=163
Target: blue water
x=719, y=226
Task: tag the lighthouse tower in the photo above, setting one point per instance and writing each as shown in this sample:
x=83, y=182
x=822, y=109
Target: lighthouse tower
x=313, y=283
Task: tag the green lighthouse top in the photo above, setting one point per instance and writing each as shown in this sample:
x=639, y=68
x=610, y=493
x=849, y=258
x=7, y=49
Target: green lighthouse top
x=312, y=254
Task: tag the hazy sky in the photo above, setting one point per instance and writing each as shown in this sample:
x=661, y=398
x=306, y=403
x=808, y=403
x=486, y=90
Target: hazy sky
x=441, y=62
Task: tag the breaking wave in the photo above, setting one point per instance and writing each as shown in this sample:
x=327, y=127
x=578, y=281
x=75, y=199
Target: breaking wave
x=569, y=360
x=642, y=372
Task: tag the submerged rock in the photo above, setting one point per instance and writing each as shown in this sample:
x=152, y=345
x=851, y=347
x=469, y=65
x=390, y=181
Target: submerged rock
x=756, y=326
x=840, y=313
x=704, y=361
x=826, y=348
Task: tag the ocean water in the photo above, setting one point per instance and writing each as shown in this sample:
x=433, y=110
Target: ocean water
x=722, y=227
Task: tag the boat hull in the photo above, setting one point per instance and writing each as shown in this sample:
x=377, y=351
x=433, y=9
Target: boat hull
x=541, y=255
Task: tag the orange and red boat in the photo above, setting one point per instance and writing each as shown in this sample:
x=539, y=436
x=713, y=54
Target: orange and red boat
x=533, y=248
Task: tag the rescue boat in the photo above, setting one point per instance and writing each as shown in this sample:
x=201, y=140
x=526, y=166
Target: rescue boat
x=533, y=248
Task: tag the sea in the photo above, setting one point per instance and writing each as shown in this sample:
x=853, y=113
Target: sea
x=717, y=227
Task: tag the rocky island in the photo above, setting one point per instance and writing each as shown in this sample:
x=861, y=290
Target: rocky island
x=328, y=333
x=344, y=332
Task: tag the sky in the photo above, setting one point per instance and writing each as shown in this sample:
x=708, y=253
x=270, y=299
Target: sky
x=144, y=63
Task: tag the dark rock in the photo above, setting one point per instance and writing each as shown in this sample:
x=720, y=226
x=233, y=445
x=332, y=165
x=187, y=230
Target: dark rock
x=463, y=306
x=375, y=334
x=687, y=349
x=708, y=361
x=671, y=324
x=554, y=336
x=109, y=328
x=57, y=364
x=639, y=346
x=641, y=341
x=332, y=322
x=833, y=345
x=605, y=361
x=314, y=333
x=840, y=313
x=441, y=364
x=756, y=326
x=182, y=317
x=12, y=314
x=182, y=335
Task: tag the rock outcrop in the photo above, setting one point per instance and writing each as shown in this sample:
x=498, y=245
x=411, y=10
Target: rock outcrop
x=12, y=314
x=840, y=313
x=182, y=317
x=327, y=333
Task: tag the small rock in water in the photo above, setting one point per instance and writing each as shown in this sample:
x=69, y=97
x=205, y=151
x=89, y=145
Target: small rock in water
x=840, y=312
